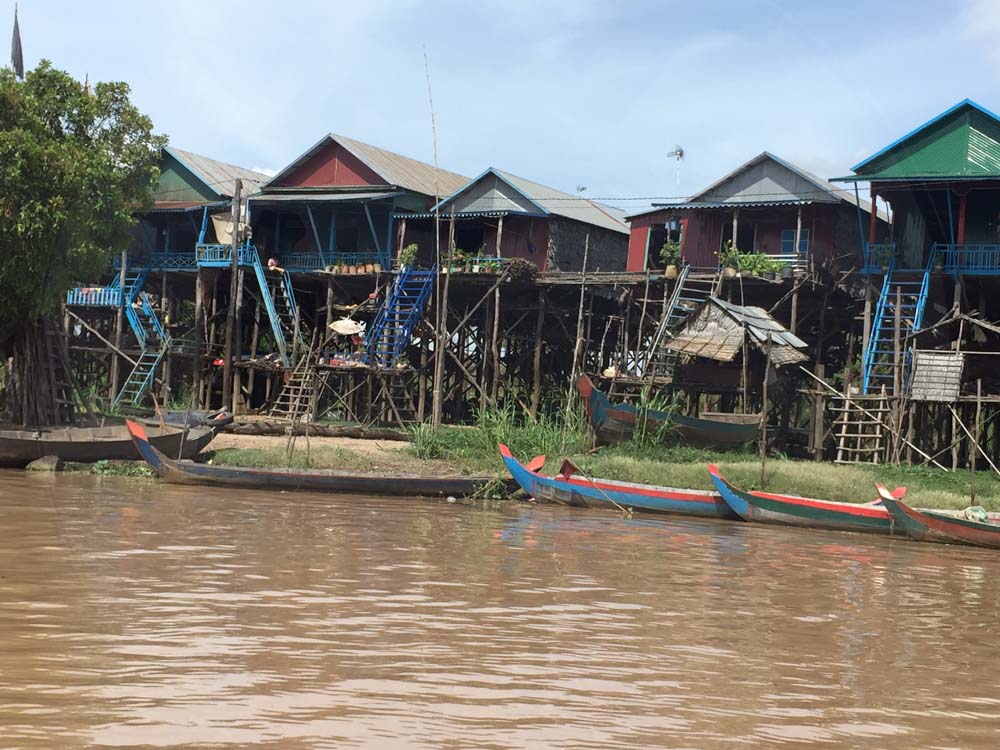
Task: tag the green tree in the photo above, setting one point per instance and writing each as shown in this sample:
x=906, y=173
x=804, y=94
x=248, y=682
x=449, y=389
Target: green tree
x=75, y=166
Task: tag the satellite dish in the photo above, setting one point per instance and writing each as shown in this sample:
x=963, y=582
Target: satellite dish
x=677, y=153
x=580, y=189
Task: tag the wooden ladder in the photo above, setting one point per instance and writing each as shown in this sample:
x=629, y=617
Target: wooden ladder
x=691, y=289
x=297, y=397
x=60, y=381
x=860, y=435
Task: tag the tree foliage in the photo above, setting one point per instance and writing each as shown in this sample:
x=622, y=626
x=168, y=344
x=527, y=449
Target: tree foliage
x=75, y=165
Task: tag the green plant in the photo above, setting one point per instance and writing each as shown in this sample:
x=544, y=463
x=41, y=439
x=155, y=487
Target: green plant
x=670, y=253
x=408, y=255
x=426, y=441
x=757, y=263
x=729, y=256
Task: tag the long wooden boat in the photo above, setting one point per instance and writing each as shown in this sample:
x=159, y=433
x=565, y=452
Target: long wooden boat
x=309, y=480
x=615, y=423
x=585, y=492
x=937, y=526
x=766, y=507
x=88, y=444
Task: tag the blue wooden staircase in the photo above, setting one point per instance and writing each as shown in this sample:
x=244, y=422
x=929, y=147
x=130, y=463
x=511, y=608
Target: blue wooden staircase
x=279, y=301
x=154, y=343
x=390, y=332
x=911, y=287
x=150, y=335
x=275, y=290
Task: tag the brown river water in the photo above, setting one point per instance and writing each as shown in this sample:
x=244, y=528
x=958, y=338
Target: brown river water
x=137, y=615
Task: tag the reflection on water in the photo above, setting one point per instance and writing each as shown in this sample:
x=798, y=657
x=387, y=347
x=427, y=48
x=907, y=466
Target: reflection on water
x=140, y=615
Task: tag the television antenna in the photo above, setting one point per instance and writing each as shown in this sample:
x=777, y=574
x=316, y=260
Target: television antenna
x=678, y=154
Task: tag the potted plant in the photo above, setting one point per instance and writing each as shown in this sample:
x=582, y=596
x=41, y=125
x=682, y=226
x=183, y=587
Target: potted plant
x=408, y=255
x=729, y=258
x=670, y=256
x=787, y=271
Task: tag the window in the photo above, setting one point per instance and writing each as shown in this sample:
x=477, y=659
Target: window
x=788, y=241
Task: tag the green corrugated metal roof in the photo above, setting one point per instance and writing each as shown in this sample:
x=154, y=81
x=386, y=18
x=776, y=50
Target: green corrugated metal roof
x=961, y=143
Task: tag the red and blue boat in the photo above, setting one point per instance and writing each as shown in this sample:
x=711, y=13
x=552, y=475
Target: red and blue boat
x=569, y=488
x=789, y=510
x=938, y=526
x=616, y=423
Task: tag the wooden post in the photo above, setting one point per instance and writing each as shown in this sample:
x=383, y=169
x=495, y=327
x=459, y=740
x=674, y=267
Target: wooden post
x=227, y=364
x=238, y=341
x=254, y=337
x=795, y=310
x=763, y=413
x=422, y=377
x=818, y=408
x=873, y=218
x=897, y=354
x=494, y=342
x=867, y=325
x=579, y=340
x=442, y=339
x=961, y=217
x=119, y=325
x=736, y=218
x=798, y=233
x=975, y=440
x=536, y=386
x=329, y=306
x=199, y=334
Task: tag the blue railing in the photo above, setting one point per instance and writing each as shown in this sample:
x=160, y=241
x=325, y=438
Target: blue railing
x=878, y=256
x=95, y=296
x=221, y=256
x=969, y=260
x=302, y=261
x=173, y=261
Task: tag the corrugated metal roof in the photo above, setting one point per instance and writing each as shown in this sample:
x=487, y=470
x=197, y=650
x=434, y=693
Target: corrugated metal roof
x=217, y=175
x=185, y=206
x=716, y=331
x=760, y=324
x=549, y=201
x=569, y=206
x=395, y=169
x=811, y=189
x=740, y=204
x=961, y=143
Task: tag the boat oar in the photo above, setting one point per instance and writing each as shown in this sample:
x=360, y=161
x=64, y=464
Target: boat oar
x=569, y=469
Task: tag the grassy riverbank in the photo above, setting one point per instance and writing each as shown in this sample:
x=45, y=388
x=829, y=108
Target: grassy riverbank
x=472, y=450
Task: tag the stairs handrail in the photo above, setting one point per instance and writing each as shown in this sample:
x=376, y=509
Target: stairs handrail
x=272, y=313
x=873, y=334
x=661, y=329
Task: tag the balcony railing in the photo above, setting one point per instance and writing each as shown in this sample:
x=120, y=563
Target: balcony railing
x=968, y=260
x=95, y=296
x=878, y=255
x=221, y=256
x=301, y=261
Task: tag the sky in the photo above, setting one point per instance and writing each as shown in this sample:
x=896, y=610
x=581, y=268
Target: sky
x=564, y=92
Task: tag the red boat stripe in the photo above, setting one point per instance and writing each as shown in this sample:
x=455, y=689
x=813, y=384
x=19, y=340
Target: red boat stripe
x=857, y=510
x=706, y=497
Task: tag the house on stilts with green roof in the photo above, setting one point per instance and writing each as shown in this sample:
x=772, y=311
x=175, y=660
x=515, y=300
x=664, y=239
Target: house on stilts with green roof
x=934, y=287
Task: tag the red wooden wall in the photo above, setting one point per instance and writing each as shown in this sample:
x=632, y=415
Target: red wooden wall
x=331, y=166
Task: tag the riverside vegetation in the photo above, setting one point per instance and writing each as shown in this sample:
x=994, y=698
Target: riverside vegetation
x=647, y=459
